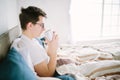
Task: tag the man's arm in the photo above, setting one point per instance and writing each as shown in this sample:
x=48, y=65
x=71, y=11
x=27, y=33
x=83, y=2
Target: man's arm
x=45, y=69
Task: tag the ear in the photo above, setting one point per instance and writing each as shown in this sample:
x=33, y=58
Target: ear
x=29, y=25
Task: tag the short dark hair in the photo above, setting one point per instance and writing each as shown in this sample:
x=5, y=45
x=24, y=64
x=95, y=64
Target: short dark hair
x=30, y=14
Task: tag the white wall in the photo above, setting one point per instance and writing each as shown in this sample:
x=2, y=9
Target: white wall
x=8, y=15
x=57, y=13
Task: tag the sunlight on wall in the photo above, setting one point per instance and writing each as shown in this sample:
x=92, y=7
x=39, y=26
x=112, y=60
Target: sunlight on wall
x=86, y=19
x=90, y=19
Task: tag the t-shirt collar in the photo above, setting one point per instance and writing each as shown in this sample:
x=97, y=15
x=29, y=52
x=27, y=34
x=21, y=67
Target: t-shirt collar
x=26, y=38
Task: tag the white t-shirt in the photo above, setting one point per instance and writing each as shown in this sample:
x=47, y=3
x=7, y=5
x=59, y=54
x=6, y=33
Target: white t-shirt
x=31, y=50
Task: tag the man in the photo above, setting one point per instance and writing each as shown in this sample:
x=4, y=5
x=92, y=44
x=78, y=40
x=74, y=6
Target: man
x=42, y=62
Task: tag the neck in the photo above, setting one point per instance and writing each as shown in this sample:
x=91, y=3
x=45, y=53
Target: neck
x=27, y=34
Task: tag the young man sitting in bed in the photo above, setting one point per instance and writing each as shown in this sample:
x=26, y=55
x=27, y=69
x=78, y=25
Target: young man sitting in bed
x=41, y=61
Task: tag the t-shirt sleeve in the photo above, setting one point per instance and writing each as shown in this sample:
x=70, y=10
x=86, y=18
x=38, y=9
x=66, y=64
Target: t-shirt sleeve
x=38, y=55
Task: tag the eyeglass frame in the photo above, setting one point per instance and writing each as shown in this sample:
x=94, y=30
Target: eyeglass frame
x=41, y=24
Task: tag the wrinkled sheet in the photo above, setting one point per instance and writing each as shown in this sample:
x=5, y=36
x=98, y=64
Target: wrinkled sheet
x=72, y=57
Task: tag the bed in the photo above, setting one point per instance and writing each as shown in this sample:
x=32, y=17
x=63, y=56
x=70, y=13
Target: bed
x=90, y=60
x=6, y=39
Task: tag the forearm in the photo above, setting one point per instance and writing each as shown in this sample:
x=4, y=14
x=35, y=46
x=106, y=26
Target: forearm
x=52, y=53
x=52, y=64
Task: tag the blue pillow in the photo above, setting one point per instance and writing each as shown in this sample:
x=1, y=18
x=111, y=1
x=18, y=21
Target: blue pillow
x=13, y=67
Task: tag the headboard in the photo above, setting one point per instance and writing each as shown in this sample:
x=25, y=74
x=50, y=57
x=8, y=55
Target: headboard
x=6, y=39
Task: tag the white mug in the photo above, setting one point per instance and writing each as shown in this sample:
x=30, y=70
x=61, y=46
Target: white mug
x=49, y=34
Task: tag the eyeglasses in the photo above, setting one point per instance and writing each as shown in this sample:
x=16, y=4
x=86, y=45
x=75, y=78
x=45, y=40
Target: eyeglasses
x=41, y=24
